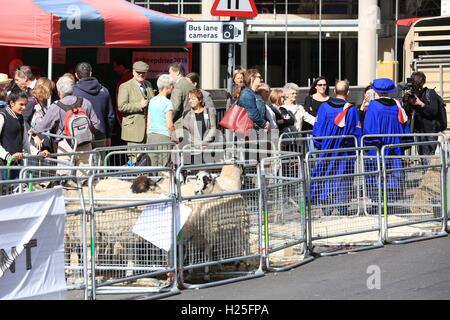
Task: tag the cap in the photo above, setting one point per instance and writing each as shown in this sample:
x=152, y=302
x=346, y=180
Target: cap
x=4, y=78
x=384, y=85
x=140, y=66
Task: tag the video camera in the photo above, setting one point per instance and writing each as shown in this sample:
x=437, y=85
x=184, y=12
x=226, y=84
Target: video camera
x=410, y=92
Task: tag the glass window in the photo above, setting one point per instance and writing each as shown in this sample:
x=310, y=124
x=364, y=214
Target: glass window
x=347, y=8
x=172, y=6
x=424, y=8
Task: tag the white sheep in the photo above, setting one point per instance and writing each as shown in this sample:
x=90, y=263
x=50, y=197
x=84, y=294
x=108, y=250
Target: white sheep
x=230, y=178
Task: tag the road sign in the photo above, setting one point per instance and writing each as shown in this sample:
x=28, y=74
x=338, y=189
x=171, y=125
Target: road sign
x=234, y=8
x=215, y=31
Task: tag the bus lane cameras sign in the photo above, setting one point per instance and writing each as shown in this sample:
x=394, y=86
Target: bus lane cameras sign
x=215, y=31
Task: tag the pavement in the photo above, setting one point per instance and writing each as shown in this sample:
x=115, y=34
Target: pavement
x=419, y=270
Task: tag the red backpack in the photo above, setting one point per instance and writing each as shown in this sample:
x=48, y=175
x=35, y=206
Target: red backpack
x=76, y=122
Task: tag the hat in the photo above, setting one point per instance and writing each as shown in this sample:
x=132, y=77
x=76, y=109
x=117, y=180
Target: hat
x=4, y=78
x=384, y=85
x=140, y=66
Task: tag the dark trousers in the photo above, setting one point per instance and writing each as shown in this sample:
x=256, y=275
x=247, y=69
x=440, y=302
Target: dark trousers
x=429, y=149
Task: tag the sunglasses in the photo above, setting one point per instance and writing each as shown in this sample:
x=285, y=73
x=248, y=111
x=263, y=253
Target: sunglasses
x=322, y=85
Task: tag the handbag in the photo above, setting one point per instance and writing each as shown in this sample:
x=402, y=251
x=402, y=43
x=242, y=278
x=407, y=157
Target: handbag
x=236, y=119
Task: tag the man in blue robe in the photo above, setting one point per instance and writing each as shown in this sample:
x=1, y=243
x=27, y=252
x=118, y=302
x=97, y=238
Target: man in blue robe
x=385, y=116
x=335, y=118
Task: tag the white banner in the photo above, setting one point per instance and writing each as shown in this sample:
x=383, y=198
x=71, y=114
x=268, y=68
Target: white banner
x=32, y=245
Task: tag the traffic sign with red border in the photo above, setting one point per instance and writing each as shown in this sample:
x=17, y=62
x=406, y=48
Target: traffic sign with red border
x=234, y=8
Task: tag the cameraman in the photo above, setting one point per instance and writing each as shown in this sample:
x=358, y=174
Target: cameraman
x=422, y=109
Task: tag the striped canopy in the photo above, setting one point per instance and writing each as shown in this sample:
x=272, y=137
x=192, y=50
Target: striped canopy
x=87, y=23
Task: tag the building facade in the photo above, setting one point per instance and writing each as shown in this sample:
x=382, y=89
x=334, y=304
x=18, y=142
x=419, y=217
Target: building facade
x=298, y=40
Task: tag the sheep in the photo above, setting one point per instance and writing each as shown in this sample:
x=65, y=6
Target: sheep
x=206, y=184
x=229, y=180
x=143, y=184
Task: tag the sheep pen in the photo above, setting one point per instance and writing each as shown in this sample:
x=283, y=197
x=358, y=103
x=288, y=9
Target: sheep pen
x=217, y=227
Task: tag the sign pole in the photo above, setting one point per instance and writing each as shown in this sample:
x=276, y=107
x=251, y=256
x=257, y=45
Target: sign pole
x=231, y=48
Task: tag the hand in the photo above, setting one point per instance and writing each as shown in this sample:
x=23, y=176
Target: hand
x=365, y=105
x=108, y=142
x=267, y=126
x=44, y=153
x=38, y=143
x=144, y=103
x=419, y=102
x=18, y=156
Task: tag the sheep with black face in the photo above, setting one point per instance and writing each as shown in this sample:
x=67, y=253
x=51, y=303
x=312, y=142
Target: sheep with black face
x=206, y=183
x=143, y=184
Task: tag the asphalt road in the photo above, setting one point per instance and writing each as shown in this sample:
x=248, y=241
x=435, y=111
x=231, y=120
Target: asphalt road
x=419, y=270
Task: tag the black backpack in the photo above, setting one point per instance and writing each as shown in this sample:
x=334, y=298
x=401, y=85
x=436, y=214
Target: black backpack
x=441, y=119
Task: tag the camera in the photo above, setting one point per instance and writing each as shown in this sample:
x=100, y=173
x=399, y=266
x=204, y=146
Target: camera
x=410, y=91
x=229, y=32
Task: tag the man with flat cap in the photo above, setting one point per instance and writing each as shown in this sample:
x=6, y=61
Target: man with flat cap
x=134, y=96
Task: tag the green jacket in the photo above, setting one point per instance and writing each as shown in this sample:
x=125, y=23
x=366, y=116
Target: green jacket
x=134, y=116
x=180, y=99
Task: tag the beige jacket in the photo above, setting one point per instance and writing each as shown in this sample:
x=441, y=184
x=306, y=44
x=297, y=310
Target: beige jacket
x=134, y=116
x=196, y=137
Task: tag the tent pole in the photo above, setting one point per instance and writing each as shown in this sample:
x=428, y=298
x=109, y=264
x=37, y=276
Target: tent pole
x=50, y=63
x=50, y=70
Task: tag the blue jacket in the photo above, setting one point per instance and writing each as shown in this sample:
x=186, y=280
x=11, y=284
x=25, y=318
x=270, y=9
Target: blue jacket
x=255, y=106
x=98, y=95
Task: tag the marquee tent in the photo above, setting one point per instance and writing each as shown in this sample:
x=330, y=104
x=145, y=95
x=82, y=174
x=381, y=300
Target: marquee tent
x=87, y=23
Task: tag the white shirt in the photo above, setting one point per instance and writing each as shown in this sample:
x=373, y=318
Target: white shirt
x=272, y=118
x=33, y=84
x=300, y=115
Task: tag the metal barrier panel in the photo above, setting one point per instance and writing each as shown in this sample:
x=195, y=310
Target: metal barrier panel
x=335, y=220
x=219, y=152
x=283, y=183
x=414, y=197
x=294, y=142
x=222, y=234
x=37, y=161
x=132, y=236
x=122, y=155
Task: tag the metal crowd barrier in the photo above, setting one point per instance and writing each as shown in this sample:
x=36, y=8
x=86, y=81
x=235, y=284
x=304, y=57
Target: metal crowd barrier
x=414, y=194
x=335, y=222
x=413, y=151
x=132, y=237
x=293, y=142
x=283, y=183
x=223, y=227
x=118, y=155
x=217, y=152
x=286, y=209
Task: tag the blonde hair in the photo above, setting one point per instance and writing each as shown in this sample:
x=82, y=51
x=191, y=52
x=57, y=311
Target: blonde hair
x=238, y=71
x=43, y=89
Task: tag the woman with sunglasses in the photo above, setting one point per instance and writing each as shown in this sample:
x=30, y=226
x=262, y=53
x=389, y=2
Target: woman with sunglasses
x=318, y=94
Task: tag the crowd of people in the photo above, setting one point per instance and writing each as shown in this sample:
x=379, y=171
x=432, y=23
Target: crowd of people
x=179, y=111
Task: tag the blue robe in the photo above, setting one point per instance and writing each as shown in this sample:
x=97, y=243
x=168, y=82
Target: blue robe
x=336, y=191
x=382, y=118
